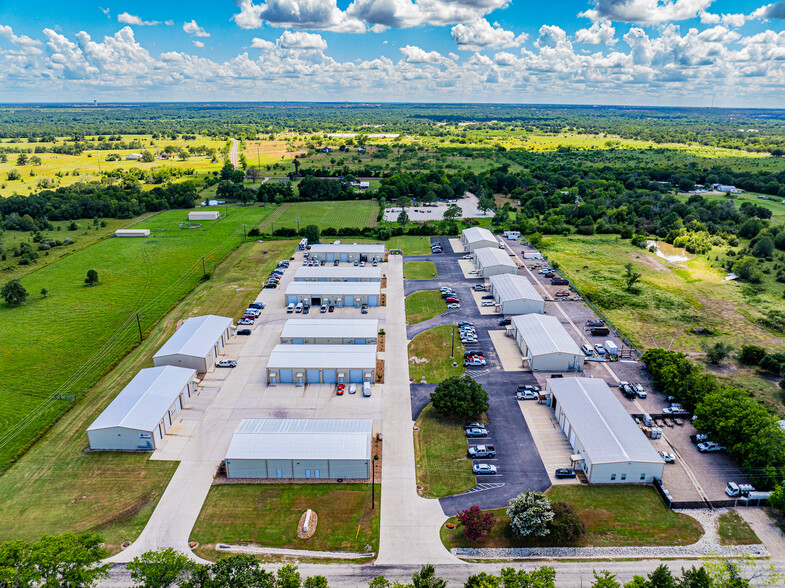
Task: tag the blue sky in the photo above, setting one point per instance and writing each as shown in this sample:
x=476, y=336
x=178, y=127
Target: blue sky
x=660, y=52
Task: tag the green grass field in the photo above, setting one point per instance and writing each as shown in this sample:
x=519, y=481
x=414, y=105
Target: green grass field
x=340, y=214
x=77, y=333
x=423, y=305
x=614, y=516
x=734, y=530
x=419, y=270
x=429, y=354
x=57, y=487
x=268, y=514
x=410, y=244
x=443, y=467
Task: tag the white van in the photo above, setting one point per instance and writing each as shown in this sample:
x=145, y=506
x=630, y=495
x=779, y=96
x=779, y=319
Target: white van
x=366, y=389
x=299, y=307
x=290, y=308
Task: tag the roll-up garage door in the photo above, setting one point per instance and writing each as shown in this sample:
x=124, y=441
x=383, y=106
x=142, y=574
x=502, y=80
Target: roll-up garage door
x=359, y=341
x=287, y=376
x=328, y=376
x=312, y=376
x=356, y=376
x=373, y=301
x=297, y=341
x=572, y=439
x=331, y=257
x=344, y=257
x=291, y=299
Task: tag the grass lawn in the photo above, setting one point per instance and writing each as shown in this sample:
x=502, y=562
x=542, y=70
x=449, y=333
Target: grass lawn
x=429, y=355
x=268, y=514
x=419, y=270
x=440, y=445
x=57, y=487
x=734, y=530
x=339, y=214
x=614, y=516
x=410, y=244
x=423, y=305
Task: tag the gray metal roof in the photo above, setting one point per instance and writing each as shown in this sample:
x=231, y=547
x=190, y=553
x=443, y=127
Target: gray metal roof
x=605, y=429
x=302, y=439
x=513, y=287
x=334, y=288
x=492, y=256
x=475, y=234
x=341, y=272
x=323, y=356
x=544, y=334
x=298, y=328
x=145, y=400
x=348, y=248
x=196, y=336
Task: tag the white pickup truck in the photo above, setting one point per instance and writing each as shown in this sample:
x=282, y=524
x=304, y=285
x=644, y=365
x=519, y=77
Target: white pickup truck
x=476, y=451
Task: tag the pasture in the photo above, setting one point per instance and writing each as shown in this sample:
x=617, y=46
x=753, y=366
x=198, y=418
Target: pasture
x=339, y=214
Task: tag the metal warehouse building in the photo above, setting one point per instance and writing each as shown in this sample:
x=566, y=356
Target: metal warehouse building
x=342, y=252
x=132, y=233
x=330, y=331
x=301, y=449
x=196, y=344
x=475, y=238
x=327, y=364
x=515, y=294
x=203, y=215
x=335, y=293
x=140, y=415
x=545, y=344
x=345, y=273
x=492, y=261
x=610, y=447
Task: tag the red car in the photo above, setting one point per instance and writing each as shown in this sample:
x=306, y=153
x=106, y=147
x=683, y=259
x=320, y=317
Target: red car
x=341, y=388
x=451, y=299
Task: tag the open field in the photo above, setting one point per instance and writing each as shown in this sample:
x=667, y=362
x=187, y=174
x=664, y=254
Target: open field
x=443, y=467
x=419, y=270
x=422, y=305
x=410, y=244
x=338, y=214
x=57, y=487
x=268, y=514
x=734, y=530
x=614, y=516
x=776, y=206
x=265, y=153
x=77, y=333
x=429, y=355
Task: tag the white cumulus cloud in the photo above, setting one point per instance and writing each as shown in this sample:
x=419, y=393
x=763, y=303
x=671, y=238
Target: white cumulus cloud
x=599, y=33
x=480, y=35
x=194, y=29
x=199, y=44
x=414, y=54
x=775, y=10
x=132, y=19
x=297, y=14
x=646, y=11
x=301, y=40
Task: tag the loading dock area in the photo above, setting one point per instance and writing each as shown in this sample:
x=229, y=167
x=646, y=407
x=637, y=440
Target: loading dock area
x=331, y=252
x=321, y=364
x=337, y=294
x=329, y=331
x=196, y=344
x=341, y=273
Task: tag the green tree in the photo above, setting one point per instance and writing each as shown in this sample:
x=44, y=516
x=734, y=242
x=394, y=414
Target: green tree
x=631, y=276
x=483, y=580
x=315, y=582
x=719, y=352
x=44, y=292
x=453, y=212
x=695, y=578
x=751, y=354
x=426, y=578
x=13, y=175
x=460, y=397
x=542, y=577
x=147, y=156
x=604, y=579
x=288, y=577
x=311, y=232
x=14, y=293
x=476, y=523
x=22, y=159
x=485, y=204
x=403, y=219
x=35, y=160
x=530, y=514
x=160, y=569
x=68, y=560
x=241, y=570
x=747, y=269
x=566, y=525
x=92, y=277
x=763, y=248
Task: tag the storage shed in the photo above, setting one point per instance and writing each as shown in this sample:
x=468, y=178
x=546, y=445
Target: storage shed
x=348, y=252
x=545, y=344
x=303, y=331
x=335, y=293
x=341, y=273
x=196, y=344
x=515, y=294
x=492, y=261
x=205, y=215
x=137, y=419
x=301, y=449
x=612, y=448
x=475, y=238
x=132, y=233
x=321, y=364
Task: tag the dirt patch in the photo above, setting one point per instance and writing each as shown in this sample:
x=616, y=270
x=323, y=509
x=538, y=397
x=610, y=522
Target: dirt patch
x=380, y=371
x=380, y=343
x=419, y=360
x=306, y=532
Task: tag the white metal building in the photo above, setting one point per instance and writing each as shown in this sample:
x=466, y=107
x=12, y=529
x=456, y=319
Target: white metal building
x=205, y=215
x=301, y=449
x=545, y=344
x=132, y=233
x=342, y=273
x=492, y=261
x=137, y=419
x=303, y=331
x=348, y=252
x=335, y=293
x=515, y=294
x=475, y=238
x=196, y=344
x=326, y=364
x=612, y=448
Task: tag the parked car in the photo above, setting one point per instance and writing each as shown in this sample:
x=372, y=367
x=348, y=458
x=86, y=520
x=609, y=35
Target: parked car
x=640, y=390
x=474, y=362
x=467, y=256
x=356, y=262
x=565, y=473
x=451, y=299
x=474, y=425
x=483, y=469
x=505, y=322
x=245, y=321
x=699, y=438
x=227, y=363
x=477, y=432
x=375, y=263
x=710, y=446
x=270, y=285
x=479, y=288
x=477, y=451
x=488, y=303
x=330, y=308
x=366, y=389
x=453, y=305
x=290, y=308
x=323, y=308
x=335, y=262
x=526, y=395
x=673, y=411
x=599, y=349
x=306, y=309
x=340, y=389
x=364, y=309
x=531, y=387
x=352, y=388
x=587, y=350
x=253, y=312
x=244, y=332
x=733, y=489
x=487, y=297
x=299, y=308
x=667, y=457
x=258, y=305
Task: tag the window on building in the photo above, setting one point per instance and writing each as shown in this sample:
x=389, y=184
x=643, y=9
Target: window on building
x=624, y=476
x=613, y=477
x=643, y=476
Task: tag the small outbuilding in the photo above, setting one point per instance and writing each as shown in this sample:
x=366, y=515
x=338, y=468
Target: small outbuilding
x=305, y=449
x=203, y=215
x=138, y=418
x=321, y=364
x=492, y=261
x=545, y=344
x=196, y=344
x=341, y=273
x=132, y=233
x=475, y=238
x=515, y=294
x=348, y=252
x=334, y=293
x=303, y=331
x=609, y=447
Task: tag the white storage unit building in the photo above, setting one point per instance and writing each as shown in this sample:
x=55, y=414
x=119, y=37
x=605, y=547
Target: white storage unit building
x=545, y=344
x=303, y=331
x=492, y=261
x=612, y=448
x=342, y=273
x=301, y=449
x=335, y=293
x=132, y=233
x=321, y=364
x=206, y=215
x=475, y=238
x=137, y=419
x=515, y=294
x=348, y=252
x=196, y=344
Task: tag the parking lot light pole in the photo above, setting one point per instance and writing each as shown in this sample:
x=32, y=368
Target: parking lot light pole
x=373, y=481
x=204, y=271
x=452, y=344
x=298, y=226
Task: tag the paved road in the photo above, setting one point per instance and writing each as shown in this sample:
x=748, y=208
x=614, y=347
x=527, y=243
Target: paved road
x=233, y=153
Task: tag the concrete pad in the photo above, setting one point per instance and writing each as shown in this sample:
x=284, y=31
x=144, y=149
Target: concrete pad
x=551, y=442
x=507, y=350
x=467, y=265
x=485, y=310
x=457, y=246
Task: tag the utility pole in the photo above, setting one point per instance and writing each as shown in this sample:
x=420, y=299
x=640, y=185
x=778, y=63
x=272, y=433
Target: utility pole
x=139, y=324
x=373, y=481
x=204, y=271
x=298, y=225
x=452, y=344
x=244, y=235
